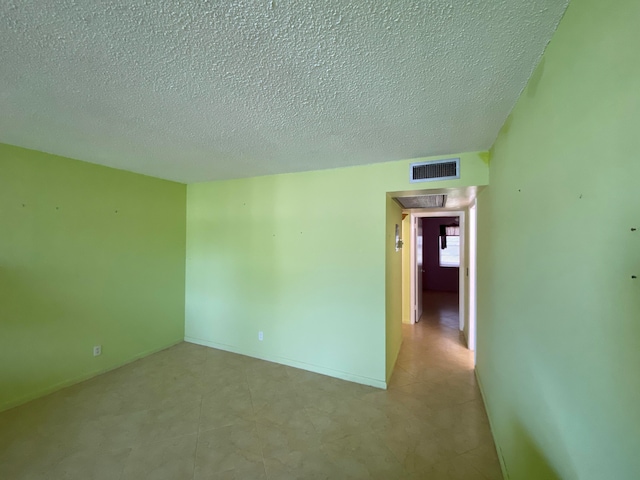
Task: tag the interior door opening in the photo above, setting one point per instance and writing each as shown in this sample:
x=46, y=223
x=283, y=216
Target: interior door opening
x=418, y=272
x=453, y=257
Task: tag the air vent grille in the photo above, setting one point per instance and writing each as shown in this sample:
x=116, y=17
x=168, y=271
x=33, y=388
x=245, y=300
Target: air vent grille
x=438, y=170
x=423, y=201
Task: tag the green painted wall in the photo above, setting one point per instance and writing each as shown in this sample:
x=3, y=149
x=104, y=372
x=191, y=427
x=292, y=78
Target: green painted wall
x=88, y=255
x=300, y=257
x=393, y=286
x=559, y=312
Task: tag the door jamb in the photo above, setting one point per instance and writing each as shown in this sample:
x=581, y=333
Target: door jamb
x=463, y=260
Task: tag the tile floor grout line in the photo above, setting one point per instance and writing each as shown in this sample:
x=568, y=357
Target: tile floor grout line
x=255, y=422
x=195, y=451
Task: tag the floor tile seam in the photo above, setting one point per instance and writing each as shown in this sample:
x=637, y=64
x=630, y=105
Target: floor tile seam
x=124, y=464
x=400, y=366
x=121, y=475
x=195, y=451
x=233, y=424
x=74, y=449
x=139, y=445
x=266, y=423
x=312, y=408
x=116, y=414
x=473, y=466
x=382, y=441
x=389, y=450
x=253, y=404
x=264, y=467
x=395, y=387
x=349, y=396
x=308, y=417
x=288, y=370
x=464, y=452
x=334, y=439
x=475, y=400
x=365, y=456
x=58, y=461
x=253, y=408
x=221, y=471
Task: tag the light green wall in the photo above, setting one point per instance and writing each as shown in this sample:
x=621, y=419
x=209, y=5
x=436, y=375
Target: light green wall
x=88, y=255
x=559, y=312
x=393, y=286
x=302, y=258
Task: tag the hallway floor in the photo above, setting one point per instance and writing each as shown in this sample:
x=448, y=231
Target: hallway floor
x=190, y=412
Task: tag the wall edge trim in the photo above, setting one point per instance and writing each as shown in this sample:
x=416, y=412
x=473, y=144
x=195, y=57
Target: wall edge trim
x=395, y=362
x=81, y=378
x=372, y=382
x=503, y=465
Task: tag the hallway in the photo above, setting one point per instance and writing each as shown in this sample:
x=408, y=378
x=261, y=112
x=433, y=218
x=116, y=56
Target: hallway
x=195, y=413
x=436, y=369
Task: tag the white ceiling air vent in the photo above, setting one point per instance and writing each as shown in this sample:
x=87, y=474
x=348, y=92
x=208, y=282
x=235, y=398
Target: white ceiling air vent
x=448, y=169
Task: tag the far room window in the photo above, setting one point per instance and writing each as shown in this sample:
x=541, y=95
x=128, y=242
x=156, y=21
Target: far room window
x=450, y=255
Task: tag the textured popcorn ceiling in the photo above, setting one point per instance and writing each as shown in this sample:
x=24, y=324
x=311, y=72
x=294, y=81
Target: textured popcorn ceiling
x=199, y=90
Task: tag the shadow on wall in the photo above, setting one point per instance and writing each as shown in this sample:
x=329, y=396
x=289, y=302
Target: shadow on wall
x=34, y=326
x=531, y=462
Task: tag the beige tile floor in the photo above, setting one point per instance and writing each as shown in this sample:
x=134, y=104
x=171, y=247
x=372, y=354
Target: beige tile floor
x=192, y=412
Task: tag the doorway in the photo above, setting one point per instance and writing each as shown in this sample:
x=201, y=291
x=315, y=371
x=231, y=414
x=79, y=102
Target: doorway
x=439, y=256
x=443, y=270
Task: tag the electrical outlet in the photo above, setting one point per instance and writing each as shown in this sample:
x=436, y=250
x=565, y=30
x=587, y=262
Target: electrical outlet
x=260, y=336
x=97, y=350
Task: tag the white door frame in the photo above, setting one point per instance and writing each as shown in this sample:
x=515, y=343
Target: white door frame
x=417, y=308
x=473, y=245
x=463, y=260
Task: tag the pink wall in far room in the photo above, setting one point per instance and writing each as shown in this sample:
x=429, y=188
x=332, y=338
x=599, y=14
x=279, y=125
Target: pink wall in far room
x=436, y=278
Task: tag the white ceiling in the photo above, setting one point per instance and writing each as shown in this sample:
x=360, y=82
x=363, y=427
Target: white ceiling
x=196, y=90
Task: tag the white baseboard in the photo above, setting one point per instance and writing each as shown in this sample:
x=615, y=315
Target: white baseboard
x=292, y=363
x=81, y=378
x=503, y=466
